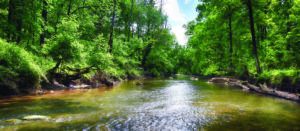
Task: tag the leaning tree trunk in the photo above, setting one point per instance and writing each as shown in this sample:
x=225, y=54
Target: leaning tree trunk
x=249, y=4
x=110, y=42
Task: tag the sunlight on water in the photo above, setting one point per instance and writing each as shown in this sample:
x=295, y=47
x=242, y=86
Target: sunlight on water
x=158, y=104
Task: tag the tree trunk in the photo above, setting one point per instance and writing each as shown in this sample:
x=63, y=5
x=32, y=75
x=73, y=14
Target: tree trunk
x=32, y=19
x=20, y=23
x=138, y=27
x=10, y=16
x=98, y=24
x=110, y=42
x=151, y=1
x=119, y=26
x=44, y=14
x=69, y=9
x=230, y=39
x=288, y=26
x=130, y=20
x=262, y=33
x=56, y=66
x=58, y=14
x=149, y=20
x=249, y=4
x=258, y=33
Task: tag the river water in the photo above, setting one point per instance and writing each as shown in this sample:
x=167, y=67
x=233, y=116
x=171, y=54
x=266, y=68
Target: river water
x=158, y=104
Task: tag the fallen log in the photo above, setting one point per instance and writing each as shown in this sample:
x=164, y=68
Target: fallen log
x=261, y=88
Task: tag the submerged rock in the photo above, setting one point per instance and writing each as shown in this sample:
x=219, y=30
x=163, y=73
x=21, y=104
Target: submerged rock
x=60, y=120
x=36, y=117
x=139, y=83
x=13, y=121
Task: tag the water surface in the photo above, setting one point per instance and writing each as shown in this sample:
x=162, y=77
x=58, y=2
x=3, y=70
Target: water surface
x=158, y=104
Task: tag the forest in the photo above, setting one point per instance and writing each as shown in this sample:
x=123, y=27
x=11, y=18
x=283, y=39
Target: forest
x=255, y=40
x=48, y=41
x=118, y=39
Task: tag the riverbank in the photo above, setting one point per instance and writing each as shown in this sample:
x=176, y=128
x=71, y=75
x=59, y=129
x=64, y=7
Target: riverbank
x=260, y=88
x=83, y=83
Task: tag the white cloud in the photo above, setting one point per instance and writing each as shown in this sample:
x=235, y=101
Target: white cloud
x=187, y=1
x=179, y=33
x=171, y=8
x=176, y=19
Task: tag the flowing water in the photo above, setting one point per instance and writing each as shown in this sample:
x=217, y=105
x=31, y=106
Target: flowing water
x=158, y=104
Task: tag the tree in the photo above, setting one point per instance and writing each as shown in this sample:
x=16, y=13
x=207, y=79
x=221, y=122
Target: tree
x=249, y=5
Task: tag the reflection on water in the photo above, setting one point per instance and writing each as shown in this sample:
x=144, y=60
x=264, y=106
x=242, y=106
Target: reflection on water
x=159, y=104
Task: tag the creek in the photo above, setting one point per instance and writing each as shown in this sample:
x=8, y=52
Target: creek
x=153, y=104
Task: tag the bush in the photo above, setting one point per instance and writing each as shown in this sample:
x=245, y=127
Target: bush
x=286, y=80
x=18, y=71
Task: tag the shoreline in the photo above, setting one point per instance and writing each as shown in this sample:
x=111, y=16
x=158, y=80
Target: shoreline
x=78, y=84
x=262, y=89
x=48, y=88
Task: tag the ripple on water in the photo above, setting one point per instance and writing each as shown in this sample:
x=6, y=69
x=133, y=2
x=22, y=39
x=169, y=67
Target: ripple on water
x=170, y=108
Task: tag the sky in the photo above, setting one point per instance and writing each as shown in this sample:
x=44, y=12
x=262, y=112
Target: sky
x=180, y=12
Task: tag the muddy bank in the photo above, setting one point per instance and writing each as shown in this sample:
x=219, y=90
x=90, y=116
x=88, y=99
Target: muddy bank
x=257, y=88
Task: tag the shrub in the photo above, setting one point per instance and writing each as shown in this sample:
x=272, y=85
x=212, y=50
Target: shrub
x=18, y=71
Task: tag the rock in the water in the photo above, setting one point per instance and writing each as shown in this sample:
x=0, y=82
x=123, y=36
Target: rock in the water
x=13, y=121
x=219, y=80
x=171, y=78
x=81, y=86
x=193, y=78
x=36, y=117
x=139, y=83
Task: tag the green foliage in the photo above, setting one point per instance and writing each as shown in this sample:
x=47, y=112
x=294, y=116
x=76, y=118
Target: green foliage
x=18, y=70
x=64, y=45
x=276, y=77
x=276, y=33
